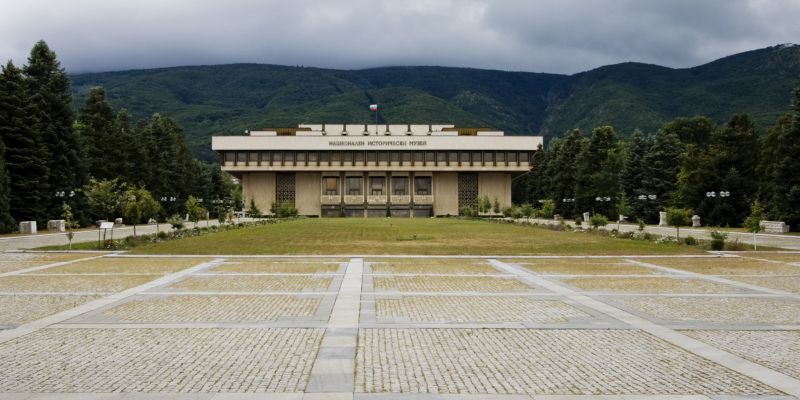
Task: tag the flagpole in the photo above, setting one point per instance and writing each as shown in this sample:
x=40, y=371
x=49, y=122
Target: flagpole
x=376, y=119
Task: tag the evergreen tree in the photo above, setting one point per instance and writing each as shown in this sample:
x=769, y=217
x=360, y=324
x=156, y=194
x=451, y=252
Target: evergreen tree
x=25, y=153
x=697, y=130
x=784, y=203
x=734, y=156
x=771, y=149
x=48, y=86
x=96, y=128
x=6, y=221
x=633, y=170
x=564, y=167
x=597, y=174
x=659, y=173
x=539, y=187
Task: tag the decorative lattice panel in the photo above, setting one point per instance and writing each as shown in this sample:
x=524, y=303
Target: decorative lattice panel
x=467, y=190
x=284, y=188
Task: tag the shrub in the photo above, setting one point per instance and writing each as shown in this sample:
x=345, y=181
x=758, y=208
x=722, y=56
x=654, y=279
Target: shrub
x=691, y=241
x=548, y=209
x=465, y=211
x=176, y=221
x=496, y=206
x=718, y=240
x=527, y=210
x=286, y=210
x=162, y=235
x=598, y=220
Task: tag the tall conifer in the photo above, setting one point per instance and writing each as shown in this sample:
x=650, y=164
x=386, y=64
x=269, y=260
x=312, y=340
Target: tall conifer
x=6, y=221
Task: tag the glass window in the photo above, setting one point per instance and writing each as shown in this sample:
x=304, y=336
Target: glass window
x=301, y=156
x=359, y=156
x=512, y=156
x=430, y=156
x=354, y=185
x=383, y=156
x=376, y=184
x=241, y=156
x=476, y=157
x=336, y=156
x=441, y=157
x=418, y=156
x=253, y=156
x=288, y=156
x=406, y=156
x=330, y=185
x=265, y=157
x=324, y=156
x=464, y=157
x=312, y=156
x=453, y=157
x=501, y=156
x=277, y=156
x=348, y=156
x=422, y=185
x=372, y=156
x=230, y=156
x=400, y=185
x=488, y=157
x=395, y=156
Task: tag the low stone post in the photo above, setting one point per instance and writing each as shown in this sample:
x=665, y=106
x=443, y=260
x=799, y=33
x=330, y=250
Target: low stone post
x=696, y=221
x=662, y=218
x=27, y=227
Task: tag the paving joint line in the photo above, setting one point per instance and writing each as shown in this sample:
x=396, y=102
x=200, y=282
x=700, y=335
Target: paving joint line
x=768, y=376
x=46, y=266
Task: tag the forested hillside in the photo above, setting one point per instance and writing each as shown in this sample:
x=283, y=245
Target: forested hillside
x=227, y=99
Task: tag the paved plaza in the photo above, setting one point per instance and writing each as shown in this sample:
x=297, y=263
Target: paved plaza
x=115, y=326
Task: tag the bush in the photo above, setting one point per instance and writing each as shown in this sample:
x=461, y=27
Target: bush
x=163, y=235
x=465, y=211
x=718, y=240
x=286, y=210
x=691, y=241
x=598, y=220
x=548, y=209
x=176, y=221
x=527, y=210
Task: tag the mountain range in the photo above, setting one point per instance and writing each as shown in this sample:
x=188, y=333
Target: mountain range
x=229, y=99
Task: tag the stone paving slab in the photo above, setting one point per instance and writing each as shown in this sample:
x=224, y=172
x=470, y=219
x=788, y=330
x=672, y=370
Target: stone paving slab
x=120, y=265
x=448, y=284
x=723, y=310
x=287, y=267
x=779, y=350
x=159, y=360
x=571, y=266
x=785, y=283
x=19, y=309
x=435, y=267
x=726, y=266
x=649, y=285
x=530, y=361
x=71, y=283
x=475, y=309
x=234, y=283
x=209, y=308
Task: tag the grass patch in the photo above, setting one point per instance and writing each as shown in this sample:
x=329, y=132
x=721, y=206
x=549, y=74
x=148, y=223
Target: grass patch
x=396, y=236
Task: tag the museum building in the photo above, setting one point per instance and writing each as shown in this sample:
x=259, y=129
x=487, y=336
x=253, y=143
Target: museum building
x=367, y=170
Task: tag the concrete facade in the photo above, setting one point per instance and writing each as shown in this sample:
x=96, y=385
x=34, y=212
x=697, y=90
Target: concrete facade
x=363, y=170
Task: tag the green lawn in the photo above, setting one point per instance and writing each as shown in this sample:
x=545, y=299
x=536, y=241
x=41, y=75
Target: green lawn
x=405, y=236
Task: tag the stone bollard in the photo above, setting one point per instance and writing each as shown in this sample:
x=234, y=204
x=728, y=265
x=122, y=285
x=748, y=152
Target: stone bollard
x=696, y=221
x=118, y=221
x=27, y=227
x=662, y=218
x=57, y=225
x=586, y=217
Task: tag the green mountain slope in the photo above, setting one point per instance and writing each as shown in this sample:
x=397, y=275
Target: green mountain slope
x=227, y=99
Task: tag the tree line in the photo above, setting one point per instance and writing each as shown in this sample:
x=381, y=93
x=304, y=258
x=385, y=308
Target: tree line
x=53, y=155
x=719, y=172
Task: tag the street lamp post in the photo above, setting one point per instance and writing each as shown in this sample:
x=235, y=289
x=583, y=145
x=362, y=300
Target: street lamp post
x=722, y=194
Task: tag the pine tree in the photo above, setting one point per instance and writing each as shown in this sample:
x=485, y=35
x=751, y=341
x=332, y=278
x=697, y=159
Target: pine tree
x=48, y=86
x=539, y=187
x=659, y=173
x=785, y=198
x=25, y=153
x=771, y=149
x=99, y=134
x=597, y=176
x=564, y=169
x=633, y=169
x=734, y=156
x=6, y=221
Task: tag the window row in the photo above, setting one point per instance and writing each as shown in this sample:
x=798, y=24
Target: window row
x=305, y=158
x=376, y=186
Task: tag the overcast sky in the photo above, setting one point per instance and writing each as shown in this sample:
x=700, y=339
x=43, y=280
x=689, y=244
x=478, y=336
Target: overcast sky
x=558, y=36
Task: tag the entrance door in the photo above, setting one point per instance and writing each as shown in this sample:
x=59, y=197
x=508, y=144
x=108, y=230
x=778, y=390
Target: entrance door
x=284, y=188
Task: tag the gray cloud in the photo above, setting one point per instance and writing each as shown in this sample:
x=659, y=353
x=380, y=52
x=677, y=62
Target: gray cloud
x=560, y=36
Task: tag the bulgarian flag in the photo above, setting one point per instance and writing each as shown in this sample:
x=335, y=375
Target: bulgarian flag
x=373, y=107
